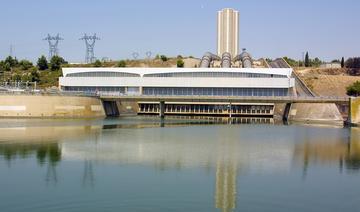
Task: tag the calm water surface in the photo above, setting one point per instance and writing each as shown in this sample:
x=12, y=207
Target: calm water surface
x=141, y=164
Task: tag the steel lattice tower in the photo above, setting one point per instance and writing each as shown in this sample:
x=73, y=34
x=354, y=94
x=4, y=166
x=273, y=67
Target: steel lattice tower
x=53, y=44
x=90, y=44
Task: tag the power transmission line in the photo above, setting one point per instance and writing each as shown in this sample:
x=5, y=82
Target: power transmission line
x=90, y=44
x=53, y=44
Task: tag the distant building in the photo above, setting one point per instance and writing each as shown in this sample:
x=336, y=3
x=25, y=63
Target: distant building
x=330, y=65
x=228, y=32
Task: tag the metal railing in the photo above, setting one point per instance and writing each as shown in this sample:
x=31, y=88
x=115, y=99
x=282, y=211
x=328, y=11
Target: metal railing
x=47, y=93
x=277, y=98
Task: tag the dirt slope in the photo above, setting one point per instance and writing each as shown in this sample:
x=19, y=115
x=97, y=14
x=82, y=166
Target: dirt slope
x=327, y=82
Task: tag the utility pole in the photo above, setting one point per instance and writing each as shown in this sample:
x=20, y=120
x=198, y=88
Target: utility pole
x=11, y=53
x=90, y=44
x=148, y=55
x=303, y=58
x=53, y=42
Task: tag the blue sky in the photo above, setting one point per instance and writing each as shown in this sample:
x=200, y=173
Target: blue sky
x=326, y=28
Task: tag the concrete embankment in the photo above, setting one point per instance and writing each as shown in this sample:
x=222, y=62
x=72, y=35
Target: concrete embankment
x=354, y=116
x=50, y=106
x=315, y=114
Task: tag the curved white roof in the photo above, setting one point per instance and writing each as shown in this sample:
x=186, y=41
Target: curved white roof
x=141, y=71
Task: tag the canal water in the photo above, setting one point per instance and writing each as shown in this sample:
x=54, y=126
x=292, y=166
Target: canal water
x=179, y=164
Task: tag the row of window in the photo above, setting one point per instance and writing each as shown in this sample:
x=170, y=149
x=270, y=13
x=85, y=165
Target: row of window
x=188, y=91
x=102, y=74
x=216, y=75
x=95, y=89
x=217, y=91
x=208, y=108
x=181, y=74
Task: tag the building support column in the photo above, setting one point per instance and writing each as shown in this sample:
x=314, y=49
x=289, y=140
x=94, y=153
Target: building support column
x=230, y=110
x=287, y=112
x=162, y=109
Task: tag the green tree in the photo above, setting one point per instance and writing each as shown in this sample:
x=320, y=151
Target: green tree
x=354, y=89
x=25, y=64
x=180, y=63
x=97, y=63
x=56, y=62
x=316, y=62
x=121, y=63
x=34, y=75
x=307, y=60
x=163, y=58
x=342, y=62
x=301, y=63
x=291, y=62
x=42, y=63
x=16, y=77
x=353, y=62
x=4, y=66
x=268, y=60
x=13, y=62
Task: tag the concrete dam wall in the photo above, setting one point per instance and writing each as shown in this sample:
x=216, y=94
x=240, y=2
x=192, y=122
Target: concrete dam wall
x=49, y=106
x=57, y=106
x=320, y=113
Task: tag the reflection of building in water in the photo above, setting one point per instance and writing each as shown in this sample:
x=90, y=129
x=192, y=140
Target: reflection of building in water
x=225, y=195
x=46, y=134
x=335, y=149
x=88, y=177
x=222, y=152
x=226, y=176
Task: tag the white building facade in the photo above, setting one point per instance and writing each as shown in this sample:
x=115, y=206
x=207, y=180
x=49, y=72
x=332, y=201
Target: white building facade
x=179, y=82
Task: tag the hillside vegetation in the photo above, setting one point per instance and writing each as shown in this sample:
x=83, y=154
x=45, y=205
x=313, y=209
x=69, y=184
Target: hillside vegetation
x=46, y=73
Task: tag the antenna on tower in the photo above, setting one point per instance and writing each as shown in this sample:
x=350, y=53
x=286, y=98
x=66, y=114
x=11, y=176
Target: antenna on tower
x=90, y=44
x=135, y=55
x=53, y=44
x=148, y=54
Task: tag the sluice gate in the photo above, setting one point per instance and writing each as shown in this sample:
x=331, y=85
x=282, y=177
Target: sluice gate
x=111, y=109
x=208, y=109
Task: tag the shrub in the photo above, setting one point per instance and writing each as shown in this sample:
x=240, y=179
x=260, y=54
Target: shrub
x=97, y=63
x=25, y=64
x=354, y=89
x=180, y=63
x=42, y=63
x=121, y=63
x=163, y=58
x=56, y=62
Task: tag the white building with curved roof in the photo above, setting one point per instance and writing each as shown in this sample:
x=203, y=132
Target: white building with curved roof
x=178, y=81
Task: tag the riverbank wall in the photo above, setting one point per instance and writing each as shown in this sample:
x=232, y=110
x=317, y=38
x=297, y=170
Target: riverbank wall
x=354, y=116
x=58, y=106
x=50, y=106
x=319, y=113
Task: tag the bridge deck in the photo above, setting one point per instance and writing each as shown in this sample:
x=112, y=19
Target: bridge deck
x=228, y=99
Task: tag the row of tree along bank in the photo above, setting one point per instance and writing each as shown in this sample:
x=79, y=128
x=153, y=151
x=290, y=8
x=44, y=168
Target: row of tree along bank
x=44, y=72
x=350, y=63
